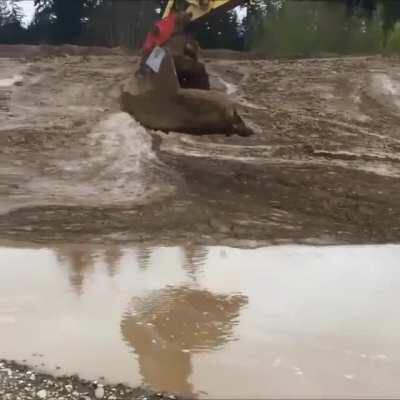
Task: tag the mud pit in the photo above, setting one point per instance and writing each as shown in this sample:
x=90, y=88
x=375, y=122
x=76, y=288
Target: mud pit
x=323, y=166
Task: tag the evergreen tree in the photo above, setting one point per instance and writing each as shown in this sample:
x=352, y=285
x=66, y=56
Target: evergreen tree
x=15, y=14
x=121, y=23
x=220, y=31
x=63, y=19
x=390, y=16
x=4, y=12
x=363, y=7
x=11, y=30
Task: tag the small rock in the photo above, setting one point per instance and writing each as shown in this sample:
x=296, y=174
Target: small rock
x=172, y=397
x=68, y=388
x=112, y=397
x=42, y=394
x=99, y=392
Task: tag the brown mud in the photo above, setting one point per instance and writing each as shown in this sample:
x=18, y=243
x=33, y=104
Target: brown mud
x=322, y=167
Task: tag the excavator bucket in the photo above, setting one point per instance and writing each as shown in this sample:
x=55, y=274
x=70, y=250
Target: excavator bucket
x=172, y=92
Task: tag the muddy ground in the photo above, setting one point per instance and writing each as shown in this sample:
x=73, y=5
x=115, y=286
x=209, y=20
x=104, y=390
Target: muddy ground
x=323, y=166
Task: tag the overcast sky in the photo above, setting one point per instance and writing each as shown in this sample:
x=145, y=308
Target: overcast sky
x=29, y=10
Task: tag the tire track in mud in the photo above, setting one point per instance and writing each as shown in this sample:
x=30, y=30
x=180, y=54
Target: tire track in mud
x=301, y=155
x=341, y=139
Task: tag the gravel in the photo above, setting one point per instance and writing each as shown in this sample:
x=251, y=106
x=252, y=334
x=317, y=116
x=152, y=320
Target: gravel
x=19, y=382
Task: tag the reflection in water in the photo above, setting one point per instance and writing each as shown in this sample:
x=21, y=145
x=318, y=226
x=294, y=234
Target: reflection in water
x=112, y=258
x=79, y=260
x=143, y=254
x=166, y=326
x=194, y=257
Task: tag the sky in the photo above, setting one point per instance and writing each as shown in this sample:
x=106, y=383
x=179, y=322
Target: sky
x=29, y=10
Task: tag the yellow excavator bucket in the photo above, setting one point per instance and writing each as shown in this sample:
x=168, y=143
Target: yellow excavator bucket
x=199, y=8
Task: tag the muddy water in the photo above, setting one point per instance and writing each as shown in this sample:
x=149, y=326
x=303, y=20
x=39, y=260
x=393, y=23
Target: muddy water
x=218, y=322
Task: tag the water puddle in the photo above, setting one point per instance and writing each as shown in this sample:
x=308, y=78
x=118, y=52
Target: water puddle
x=289, y=321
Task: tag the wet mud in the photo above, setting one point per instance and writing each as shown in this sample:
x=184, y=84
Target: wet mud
x=322, y=166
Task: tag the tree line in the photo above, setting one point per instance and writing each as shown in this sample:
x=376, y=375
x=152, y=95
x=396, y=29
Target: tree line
x=126, y=22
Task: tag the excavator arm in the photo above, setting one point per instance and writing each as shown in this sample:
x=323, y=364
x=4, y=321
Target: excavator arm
x=181, y=46
x=172, y=89
x=199, y=9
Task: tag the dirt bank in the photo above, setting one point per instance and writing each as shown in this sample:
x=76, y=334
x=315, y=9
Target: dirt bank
x=323, y=166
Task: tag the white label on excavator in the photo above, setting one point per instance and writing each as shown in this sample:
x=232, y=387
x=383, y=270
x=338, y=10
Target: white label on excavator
x=155, y=59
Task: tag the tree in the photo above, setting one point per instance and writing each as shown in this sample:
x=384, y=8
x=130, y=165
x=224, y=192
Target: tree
x=367, y=6
x=16, y=15
x=220, y=31
x=4, y=12
x=64, y=20
x=11, y=30
x=308, y=28
x=390, y=16
x=254, y=23
x=121, y=23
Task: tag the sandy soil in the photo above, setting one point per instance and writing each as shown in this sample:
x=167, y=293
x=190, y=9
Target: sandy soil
x=323, y=166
